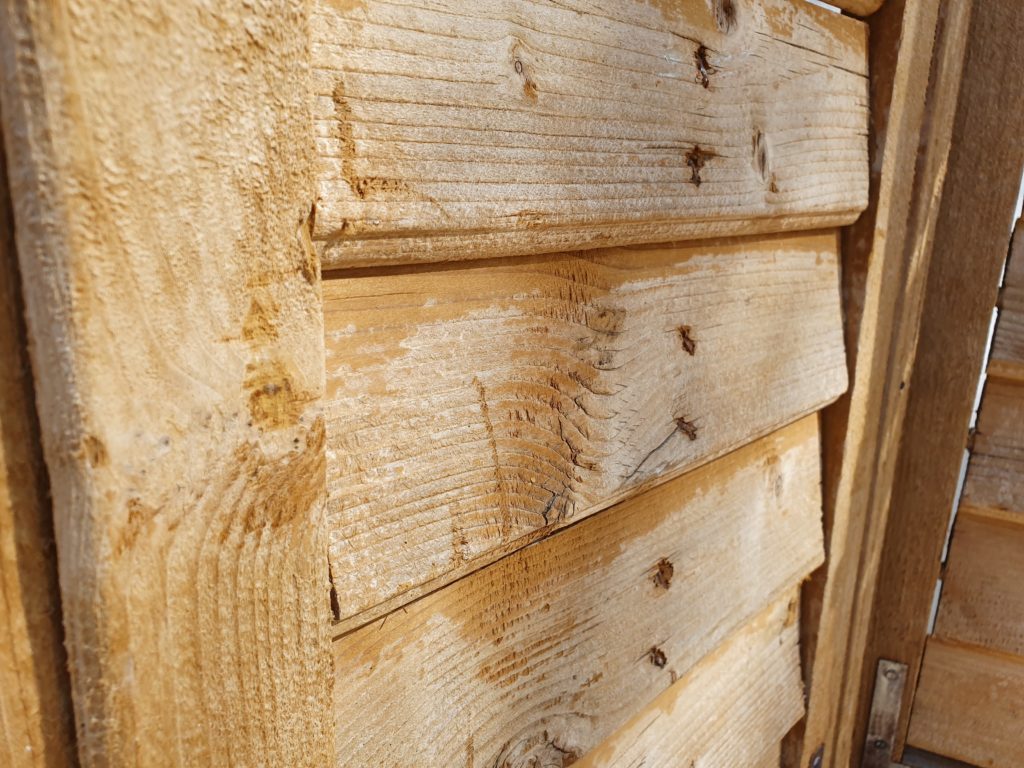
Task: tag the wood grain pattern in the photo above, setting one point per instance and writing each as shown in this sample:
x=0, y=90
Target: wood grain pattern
x=969, y=705
x=995, y=476
x=1007, y=359
x=541, y=655
x=474, y=408
x=36, y=728
x=975, y=216
x=162, y=181
x=982, y=600
x=451, y=130
x=743, y=696
x=946, y=173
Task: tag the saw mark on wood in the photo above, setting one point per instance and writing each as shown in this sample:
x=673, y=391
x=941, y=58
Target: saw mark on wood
x=362, y=186
x=505, y=524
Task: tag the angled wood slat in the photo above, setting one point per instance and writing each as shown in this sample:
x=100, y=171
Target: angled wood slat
x=969, y=705
x=473, y=408
x=995, y=476
x=982, y=601
x=744, y=695
x=535, y=659
x=450, y=130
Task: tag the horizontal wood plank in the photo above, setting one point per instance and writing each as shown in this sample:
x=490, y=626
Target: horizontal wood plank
x=995, y=477
x=1008, y=345
x=969, y=705
x=541, y=655
x=473, y=408
x=744, y=695
x=982, y=600
x=452, y=130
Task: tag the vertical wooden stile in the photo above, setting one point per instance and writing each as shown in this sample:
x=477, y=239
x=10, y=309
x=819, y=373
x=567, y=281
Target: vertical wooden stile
x=36, y=728
x=161, y=177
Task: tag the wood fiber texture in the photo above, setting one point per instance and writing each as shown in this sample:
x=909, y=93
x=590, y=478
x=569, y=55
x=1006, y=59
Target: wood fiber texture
x=1007, y=359
x=475, y=408
x=982, y=600
x=451, y=130
x=969, y=704
x=995, y=477
x=162, y=183
x=742, y=696
x=36, y=728
x=537, y=658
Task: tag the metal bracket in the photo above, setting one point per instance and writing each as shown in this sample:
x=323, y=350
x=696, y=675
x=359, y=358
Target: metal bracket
x=890, y=679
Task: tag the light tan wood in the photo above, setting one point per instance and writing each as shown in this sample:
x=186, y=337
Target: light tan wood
x=544, y=653
x=472, y=409
x=36, y=728
x=743, y=696
x=885, y=258
x=452, y=130
x=1007, y=359
x=161, y=175
x=982, y=600
x=969, y=704
x=974, y=219
x=995, y=477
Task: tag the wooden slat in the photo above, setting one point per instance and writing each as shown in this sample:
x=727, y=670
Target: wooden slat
x=881, y=299
x=966, y=182
x=473, y=408
x=995, y=477
x=452, y=130
x=969, y=705
x=1007, y=359
x=543, y=654
x=36, y=728
x=161, y=174
x=744, y=695
x=982, y=600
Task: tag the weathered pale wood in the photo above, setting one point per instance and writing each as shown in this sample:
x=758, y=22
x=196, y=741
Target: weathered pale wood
x=743, y=696
x=982, y=600
x=473, y=408
x=541, y=655
x=969, y=705
x=975, y=212
x=36, y=728
x=161, y=174
x=882, y=286
x=451, y=130
x=995, y=476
